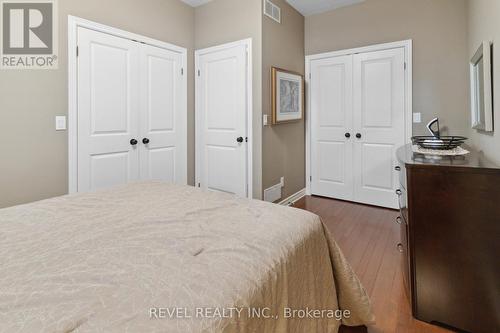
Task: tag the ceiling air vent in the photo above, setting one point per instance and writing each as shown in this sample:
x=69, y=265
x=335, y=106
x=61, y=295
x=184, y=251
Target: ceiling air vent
x=273, y=11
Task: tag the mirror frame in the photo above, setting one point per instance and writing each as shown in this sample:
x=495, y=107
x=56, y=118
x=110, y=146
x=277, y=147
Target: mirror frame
x=486, y=124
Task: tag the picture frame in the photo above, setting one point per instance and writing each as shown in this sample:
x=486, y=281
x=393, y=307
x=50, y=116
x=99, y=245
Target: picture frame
x=481, y=89
x=287, y=96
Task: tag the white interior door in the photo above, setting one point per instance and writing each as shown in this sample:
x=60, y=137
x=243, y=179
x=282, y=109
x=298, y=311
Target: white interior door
x=379, y=119
x=331, y=127
x=108, y=103
x=163, y=138
x=357, y=122
x=221, y=111
x=131, y=114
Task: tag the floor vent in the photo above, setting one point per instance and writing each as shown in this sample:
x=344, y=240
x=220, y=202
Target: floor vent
x=273, y=11
x=273, y=193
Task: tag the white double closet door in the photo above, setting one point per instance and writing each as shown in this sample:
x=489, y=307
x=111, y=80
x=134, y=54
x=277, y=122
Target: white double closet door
x=130, y=112
x=357, y=123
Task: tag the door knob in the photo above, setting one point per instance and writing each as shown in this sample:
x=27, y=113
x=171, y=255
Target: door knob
x=348, y=135
x=133, y=142
x=239, y=140
x=145, y=141
x=358, y=135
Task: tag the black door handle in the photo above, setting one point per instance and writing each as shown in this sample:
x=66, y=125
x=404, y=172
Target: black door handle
x=358, y=135
x=133, y=142
x=145, y=141
x=239, y=140
x=348, y=135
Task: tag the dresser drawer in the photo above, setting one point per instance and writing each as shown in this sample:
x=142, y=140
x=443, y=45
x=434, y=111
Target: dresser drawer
x=401, y=170
x=402, y=247
x=403, y=202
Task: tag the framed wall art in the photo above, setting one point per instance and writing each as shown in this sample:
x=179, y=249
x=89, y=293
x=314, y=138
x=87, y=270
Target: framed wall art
x=287, y=96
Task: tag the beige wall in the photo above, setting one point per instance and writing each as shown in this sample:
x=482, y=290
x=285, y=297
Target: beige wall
x=224, y=21
x=283, y=146
x=484, y=25
x=33, y=162
x=438, y=30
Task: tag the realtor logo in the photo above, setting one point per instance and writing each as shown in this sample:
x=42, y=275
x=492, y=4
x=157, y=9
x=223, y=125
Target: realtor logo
x=29, y=34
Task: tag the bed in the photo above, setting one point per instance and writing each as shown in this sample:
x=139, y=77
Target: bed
x=153, y=257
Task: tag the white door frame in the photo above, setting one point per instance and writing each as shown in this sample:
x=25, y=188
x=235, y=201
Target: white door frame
x=73, y=24
x=244, y=42
x=407, y=45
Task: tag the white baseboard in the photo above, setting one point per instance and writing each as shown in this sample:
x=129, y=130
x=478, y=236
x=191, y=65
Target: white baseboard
x=293, y=198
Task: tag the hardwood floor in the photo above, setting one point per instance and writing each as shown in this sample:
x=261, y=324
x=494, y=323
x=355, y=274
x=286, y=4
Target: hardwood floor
x=368, y=237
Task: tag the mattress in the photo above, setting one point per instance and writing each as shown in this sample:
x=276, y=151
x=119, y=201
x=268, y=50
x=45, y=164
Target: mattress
x=153, y=257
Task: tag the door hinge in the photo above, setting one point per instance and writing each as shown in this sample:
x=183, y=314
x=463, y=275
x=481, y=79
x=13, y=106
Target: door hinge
x=405, y=65
x=310, y=178
x=199, y=184
x=310, y=76
x=199, y=72
x=182, y=71
x=77, y=51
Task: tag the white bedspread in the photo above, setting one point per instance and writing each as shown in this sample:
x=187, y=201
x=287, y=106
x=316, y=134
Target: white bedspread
x=122, y=260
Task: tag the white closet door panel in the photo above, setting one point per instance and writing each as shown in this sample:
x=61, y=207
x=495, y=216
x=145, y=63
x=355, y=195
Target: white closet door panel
x=220, y=175
x=379, y=104
x=108, y=103
x=222, y=112
x=331, y=119
x=109, y=84
x=109, y=169
x=162, y=164
x=161, y=118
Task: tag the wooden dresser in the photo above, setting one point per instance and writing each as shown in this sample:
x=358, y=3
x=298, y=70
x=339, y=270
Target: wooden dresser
x=450, y=239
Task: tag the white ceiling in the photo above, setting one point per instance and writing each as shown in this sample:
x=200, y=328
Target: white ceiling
x=196, y=3
x=310, y=7
x=305, y=7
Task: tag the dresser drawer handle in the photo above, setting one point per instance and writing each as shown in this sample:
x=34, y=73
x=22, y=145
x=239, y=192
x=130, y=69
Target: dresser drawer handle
x=399, y=192
x=400, y=248
x=399, y=220
x=398, y=168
